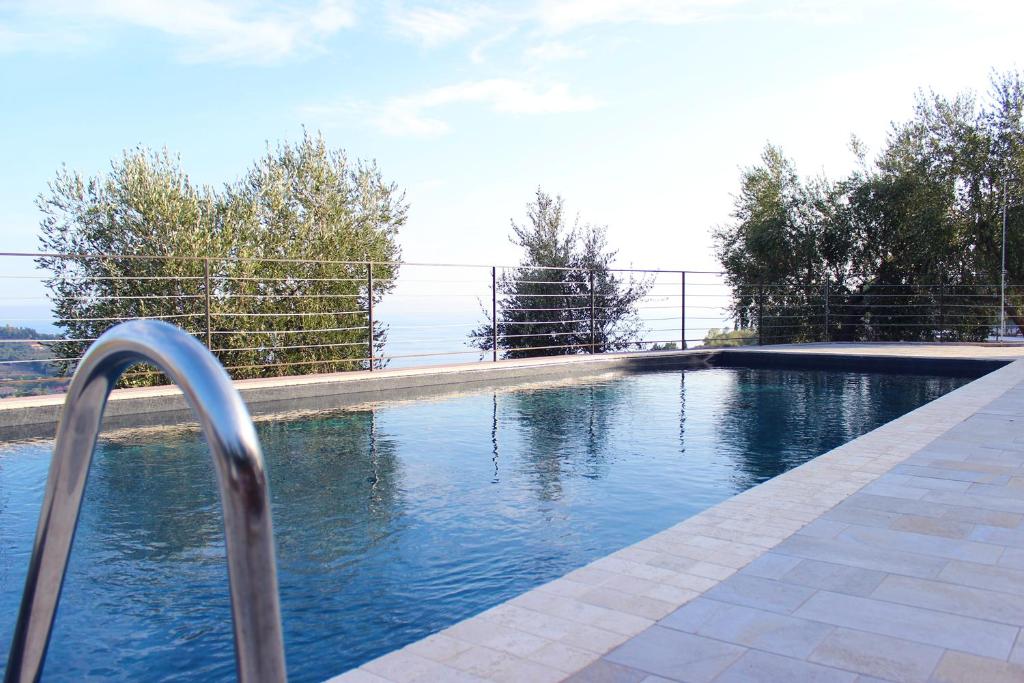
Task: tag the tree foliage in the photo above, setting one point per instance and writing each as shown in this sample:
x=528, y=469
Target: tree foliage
x=716, y=337
x=908, y=245
x=269, y=256
x=544, y=304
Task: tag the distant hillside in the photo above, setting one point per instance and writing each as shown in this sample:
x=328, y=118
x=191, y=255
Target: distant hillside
x=20, y=374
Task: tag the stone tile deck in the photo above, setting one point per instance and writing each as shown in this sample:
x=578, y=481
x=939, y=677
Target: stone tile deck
x=898, y=556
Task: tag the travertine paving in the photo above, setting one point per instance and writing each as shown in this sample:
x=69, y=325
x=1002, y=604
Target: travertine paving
x=896, y=557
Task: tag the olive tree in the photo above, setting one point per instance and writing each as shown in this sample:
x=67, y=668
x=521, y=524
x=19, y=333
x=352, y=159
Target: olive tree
x=908, y=246
x=260, y=268
x=544, y=304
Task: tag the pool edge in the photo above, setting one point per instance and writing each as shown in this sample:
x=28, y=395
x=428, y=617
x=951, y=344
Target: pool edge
x=37, y=416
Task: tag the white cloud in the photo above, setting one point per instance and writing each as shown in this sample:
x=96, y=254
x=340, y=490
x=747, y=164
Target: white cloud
x=565, y=15
x=1002, y=11
x=415, y=114
x=442, y=21
x=264, y=31
x=429, y=26
x=554, y=51
x=238, y=31
x=446, y=21
x=478, y=54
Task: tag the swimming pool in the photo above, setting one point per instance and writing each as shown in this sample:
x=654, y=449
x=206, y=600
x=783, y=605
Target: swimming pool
x=399, y=519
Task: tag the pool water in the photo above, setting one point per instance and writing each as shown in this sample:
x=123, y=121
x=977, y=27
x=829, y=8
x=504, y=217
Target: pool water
x=395, y=521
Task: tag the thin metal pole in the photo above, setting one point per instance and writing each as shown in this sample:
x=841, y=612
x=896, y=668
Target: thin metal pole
x=206, y=291
x=494, y=312
x=593, y=314
x=682, y=311
x=942, y=308
x=369, y=308
x=761, y=313
x=1002, y=274
x=826, y=307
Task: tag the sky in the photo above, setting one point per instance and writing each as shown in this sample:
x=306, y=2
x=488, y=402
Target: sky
x=640, y=113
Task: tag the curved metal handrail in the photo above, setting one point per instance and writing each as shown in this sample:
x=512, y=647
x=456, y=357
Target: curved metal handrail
x=249, y=536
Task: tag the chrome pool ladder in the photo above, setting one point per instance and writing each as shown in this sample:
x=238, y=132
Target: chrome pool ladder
x=241, y=477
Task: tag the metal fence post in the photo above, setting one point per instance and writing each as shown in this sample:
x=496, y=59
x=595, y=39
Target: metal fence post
x=369, y=308
x=760, y=314
x=682, y=311
x=206, y=293
x=593, y=316
x=494, y=311
x=826, y=307
x=942, y=309
x=1002, y=274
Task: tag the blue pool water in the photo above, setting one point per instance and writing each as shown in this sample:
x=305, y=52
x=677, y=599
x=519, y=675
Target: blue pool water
x=395, y=521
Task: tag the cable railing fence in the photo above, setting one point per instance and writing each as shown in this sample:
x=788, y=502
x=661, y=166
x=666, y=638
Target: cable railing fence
x=271, y=317
x=922, y=312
